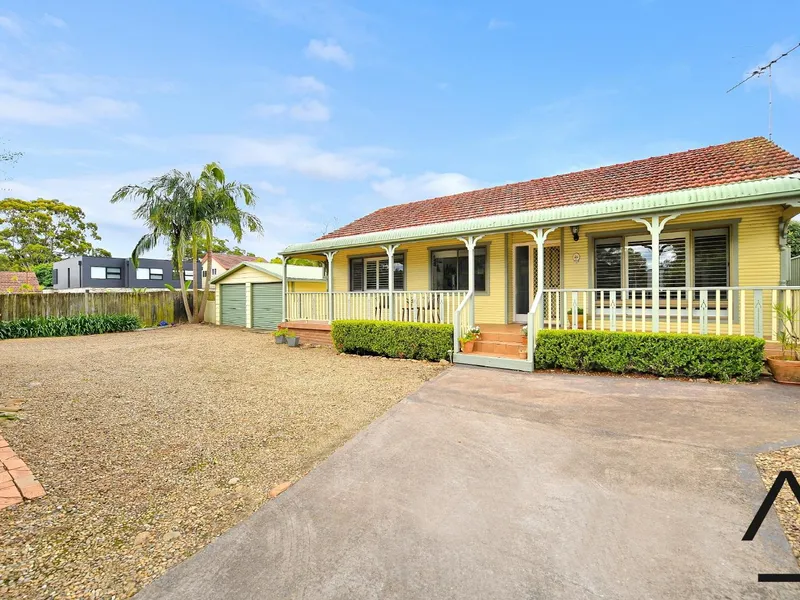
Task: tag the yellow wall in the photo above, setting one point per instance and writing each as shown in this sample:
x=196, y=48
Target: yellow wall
x=308, y=286
x=757, y=254
x=246, y=274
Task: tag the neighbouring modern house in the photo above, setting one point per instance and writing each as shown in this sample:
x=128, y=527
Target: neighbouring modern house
x=224, y=262
x=575, y=251
x=251, y=295
x=88, y=272
x=18, y=281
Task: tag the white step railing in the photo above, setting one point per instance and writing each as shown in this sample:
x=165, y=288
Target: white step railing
x=409, y=307
x=461, y=319
x=701, y=310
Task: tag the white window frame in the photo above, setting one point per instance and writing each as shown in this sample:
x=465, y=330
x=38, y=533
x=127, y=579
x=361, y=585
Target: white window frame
x=118, y=273
x=150, y=272
x=676, y=235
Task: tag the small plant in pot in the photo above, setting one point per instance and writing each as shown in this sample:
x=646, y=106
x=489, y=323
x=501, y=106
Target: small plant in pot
x=786, y=367
x=523, y=351
x=475, y=331
x=571, y=315
x=292, y=339
x=468, y=342
x=280, y=336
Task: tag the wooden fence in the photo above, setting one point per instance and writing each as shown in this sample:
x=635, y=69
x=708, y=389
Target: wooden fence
x=150, y=307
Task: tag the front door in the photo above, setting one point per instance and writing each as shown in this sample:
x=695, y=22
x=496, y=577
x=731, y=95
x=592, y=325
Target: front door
x=525, y=276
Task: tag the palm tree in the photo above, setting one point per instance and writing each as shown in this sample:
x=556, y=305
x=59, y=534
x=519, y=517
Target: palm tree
x=166, y=207
x=218, y=204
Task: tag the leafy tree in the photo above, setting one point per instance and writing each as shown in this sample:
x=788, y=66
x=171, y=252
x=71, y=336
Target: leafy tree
x=34, y=232
x=303, y=262
x=220, y=246
x=44, y=273
x=793, y=236
x=182, y=211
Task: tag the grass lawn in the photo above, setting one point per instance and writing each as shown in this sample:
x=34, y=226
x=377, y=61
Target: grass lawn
x=150, y=444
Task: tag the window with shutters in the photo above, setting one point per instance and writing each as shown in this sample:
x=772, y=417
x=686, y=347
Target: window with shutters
x=628, y=262
x=372, y=273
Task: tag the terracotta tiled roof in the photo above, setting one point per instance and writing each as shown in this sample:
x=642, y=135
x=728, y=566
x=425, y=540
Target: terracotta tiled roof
x=228, y=261
x=745, y=160
x=13, y=280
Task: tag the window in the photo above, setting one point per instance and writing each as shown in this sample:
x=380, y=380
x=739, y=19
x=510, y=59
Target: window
x=55, y=276
x=213, y=271
x=711, y=258
x=672, y=261
x=205, y=273
x=368, y=274
x=608, y=264
x=450, y=269
x=151, y=274
x=188, y=275
x=105, y=272
x=706, y=266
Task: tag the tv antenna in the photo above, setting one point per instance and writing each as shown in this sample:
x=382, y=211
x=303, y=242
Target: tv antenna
x=767, y=68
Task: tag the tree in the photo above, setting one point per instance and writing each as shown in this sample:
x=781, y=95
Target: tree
x=303, y=262
x=183, y=211
x=793, y=236
x=219, y=205
x=220, y=246
x=44, y=273
x=34, y=232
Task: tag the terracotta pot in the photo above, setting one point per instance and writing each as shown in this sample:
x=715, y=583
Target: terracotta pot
x=523, y=354
x=784, y=370
x=467, y=346
x=580, y=321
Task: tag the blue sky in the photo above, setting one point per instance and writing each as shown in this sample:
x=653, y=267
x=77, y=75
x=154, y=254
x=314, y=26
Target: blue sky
x=333, y=109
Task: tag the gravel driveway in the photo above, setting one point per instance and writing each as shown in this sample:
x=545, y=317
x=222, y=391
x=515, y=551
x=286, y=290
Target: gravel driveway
x=150, y=444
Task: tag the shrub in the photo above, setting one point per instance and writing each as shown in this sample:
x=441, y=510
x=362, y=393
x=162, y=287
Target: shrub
x=665, y=354
x=66, y=326
x=421, y=341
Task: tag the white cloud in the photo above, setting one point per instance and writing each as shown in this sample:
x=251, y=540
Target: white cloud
x=269, y=188
x=296, y=154
x=307, y=110
x=86, y=110
x=11, y=26
x=495, y=24
x=306, y=85
x=329, y=51
x=421, y=187
x=54, y=21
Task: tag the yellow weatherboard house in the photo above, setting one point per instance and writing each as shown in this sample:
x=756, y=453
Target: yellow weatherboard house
x=574, y=251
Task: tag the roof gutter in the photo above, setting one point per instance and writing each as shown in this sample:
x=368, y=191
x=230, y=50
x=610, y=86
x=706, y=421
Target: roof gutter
x=750, y=193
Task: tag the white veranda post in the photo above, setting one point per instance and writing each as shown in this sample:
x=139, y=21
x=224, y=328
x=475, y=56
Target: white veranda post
x=655, y=225
x=390, y=253
x=540, y=237
x=329, y=256
x=470, y=243
x=284, y=260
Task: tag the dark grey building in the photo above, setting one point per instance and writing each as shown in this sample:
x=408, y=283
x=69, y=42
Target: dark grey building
x=82, y=272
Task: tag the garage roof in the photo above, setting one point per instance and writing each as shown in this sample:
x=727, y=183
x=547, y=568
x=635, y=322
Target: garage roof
x=294, y=272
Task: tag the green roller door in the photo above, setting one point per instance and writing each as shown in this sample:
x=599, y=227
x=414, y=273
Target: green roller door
x=266, y=305
x=233, y=304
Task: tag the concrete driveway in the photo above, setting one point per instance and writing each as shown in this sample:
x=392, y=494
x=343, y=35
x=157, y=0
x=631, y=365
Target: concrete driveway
x=490, y=484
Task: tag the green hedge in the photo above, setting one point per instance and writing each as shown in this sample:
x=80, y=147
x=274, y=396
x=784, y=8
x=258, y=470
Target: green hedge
x=65, y=326
x=421, y=341
x=668, y=355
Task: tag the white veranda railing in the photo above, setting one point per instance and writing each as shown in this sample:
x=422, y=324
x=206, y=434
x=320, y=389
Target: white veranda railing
x=409, y=307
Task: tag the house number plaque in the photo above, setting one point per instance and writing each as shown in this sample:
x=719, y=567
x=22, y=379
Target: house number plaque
x=576, y=258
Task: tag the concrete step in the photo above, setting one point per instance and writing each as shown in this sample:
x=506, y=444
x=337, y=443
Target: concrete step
x=483, y=359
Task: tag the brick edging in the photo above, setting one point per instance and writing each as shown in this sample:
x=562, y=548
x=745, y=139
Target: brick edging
x=16, y=479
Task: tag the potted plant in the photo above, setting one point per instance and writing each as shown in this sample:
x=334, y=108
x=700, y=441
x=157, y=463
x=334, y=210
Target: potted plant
x=475, y=330
x=280, y=336
x=523, y=351
x=292, y=339
x=570, y=316
x=467, y=342
x=786, y=367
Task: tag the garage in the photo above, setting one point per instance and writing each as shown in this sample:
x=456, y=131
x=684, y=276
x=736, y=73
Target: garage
x=233, y=304
x=266, y=305
x=251, y=293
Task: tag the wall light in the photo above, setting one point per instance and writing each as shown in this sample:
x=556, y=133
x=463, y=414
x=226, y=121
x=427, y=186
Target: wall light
x=574, y=230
